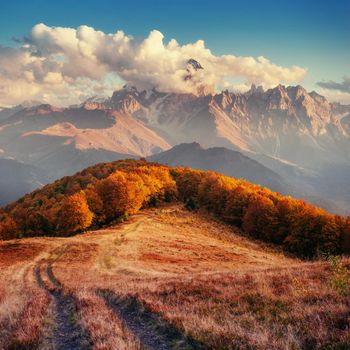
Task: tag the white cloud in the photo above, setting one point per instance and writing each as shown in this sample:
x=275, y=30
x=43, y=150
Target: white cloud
x=62, y=65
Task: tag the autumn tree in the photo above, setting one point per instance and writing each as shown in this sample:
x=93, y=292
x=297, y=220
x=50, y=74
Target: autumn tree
x=187, y=182
x=330, y=238
x=74, y=215
x=121, y=194
x=304, y=233
x=95, y=204
x=236, y=204
x=289, y=211
x=260, y=218
x=107, y=191
x=214, y=190
x=159, y=184
x=8, y=227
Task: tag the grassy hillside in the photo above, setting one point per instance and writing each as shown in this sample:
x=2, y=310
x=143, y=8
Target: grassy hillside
x=109, y=192
x=168, y=278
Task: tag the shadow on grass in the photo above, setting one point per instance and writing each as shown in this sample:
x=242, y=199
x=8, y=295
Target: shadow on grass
x=154, y=332
x=67, y=333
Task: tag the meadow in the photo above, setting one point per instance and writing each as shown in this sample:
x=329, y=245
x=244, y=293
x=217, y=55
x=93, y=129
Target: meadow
x=168, y=278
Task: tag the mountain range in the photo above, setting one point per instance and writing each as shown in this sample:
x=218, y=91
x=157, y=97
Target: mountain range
x=286, y=138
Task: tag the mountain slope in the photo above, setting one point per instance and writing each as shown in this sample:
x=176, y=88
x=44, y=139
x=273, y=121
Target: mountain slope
x=284, y=122
x=6, y=112
x=223, y=160
x=287, y=179
x=63, y=141
x=85, y=128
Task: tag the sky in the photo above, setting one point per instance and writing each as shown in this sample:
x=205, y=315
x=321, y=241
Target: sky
x=237, y=42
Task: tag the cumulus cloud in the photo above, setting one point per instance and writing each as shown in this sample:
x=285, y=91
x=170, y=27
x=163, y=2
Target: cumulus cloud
x=63, y=65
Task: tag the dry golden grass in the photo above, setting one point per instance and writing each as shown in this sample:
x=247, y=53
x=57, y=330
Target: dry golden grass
x=23, y=304
x=180, y=272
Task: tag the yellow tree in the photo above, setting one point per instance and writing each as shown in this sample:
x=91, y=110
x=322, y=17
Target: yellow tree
x=159, y=185
x=214, y=191
x=187, y=183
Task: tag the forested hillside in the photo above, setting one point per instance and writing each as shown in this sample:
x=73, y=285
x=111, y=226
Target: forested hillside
x=109, y=192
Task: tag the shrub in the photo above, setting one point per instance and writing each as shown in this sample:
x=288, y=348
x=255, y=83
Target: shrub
x=339, y=280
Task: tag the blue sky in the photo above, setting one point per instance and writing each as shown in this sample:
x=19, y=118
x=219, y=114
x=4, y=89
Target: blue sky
x=310, y=34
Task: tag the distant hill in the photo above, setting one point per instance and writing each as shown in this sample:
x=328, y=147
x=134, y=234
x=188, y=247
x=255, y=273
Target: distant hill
x=223, y=160
x=109, y=192
x=287, y=179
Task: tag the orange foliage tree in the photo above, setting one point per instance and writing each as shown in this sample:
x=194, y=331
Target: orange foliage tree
x=8, y=227
x=159, y=184
x=74, y=215
x=121, y=194
x=214, y=190
x=305, y=231
x=260, y=218
x=236, y=204
x=187, y=183
x=95, y=204
x=346, y=235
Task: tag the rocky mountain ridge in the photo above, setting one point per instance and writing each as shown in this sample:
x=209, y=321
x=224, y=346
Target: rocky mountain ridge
x=284, y=122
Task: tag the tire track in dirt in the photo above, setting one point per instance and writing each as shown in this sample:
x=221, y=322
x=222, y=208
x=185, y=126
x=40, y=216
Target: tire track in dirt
x=153, y=332
x=66, y=332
